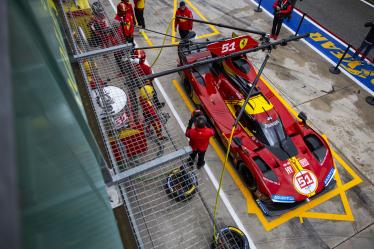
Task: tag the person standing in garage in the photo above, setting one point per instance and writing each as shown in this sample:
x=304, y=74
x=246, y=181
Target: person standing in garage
x=125, y=15
x=368, y=43
x=185, y=26
x=282, y=9
x=139, y=12
x=199, y=137
x=127, y=8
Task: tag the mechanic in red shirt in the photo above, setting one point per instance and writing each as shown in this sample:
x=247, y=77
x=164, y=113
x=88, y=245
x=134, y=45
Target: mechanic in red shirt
x=100, y=29
x=199, y=137
x=128, y=8
x=144, y=69
x=282, y=9
x=125, y=15
x=185, y=26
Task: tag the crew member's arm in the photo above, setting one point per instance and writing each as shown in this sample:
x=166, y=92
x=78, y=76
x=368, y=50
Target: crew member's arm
x=275, y=5
x=194, y=115
x=211, y=132
x=190, y=123
x=286, y=11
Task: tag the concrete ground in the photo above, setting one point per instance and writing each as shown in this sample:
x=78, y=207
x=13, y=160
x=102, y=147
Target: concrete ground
x=302, y=78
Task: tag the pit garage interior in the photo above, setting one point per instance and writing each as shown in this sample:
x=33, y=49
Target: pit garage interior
x=135, y=177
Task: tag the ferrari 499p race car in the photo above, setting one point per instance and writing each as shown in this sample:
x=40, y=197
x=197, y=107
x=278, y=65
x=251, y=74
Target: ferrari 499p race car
x=281, y=159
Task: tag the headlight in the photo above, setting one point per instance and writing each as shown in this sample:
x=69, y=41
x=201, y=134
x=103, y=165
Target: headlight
x=329, y=176
x=282, y=198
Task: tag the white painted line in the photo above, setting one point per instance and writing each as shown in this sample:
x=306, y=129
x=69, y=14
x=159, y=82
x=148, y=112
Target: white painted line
x=208, y=171
x=367, y=3
x=113, y=6
x=319, y=52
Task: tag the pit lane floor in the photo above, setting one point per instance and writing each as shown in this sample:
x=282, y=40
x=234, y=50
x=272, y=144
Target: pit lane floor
x=302, y=78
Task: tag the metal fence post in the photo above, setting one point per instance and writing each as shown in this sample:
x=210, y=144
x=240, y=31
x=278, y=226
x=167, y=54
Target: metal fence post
x=301, y=21
x=336, y=70
x=370, y=100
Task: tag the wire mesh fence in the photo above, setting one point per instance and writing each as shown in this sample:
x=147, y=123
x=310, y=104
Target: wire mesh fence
x=129, y=110
x=163, y=196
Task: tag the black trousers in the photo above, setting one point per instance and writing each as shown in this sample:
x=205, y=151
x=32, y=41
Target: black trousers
x=277, y=24
x=139, y=14
x=183, y=33
x=200, y=160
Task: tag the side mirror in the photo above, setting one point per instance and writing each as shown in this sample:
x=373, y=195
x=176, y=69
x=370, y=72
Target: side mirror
x=303, y=117
x=237, y=141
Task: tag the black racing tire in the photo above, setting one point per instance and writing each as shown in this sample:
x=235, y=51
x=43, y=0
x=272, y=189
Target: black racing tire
x=230, y=237
x=187, y=87
x=181, y=184
x=247, y=176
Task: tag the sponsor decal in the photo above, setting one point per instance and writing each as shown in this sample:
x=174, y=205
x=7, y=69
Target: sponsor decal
x=121, y=119
x=289, y=170
x=276, y=122
x=329, y=176
x=281, y=198
x=304, y=162
x=268, y=180
x=262, y=207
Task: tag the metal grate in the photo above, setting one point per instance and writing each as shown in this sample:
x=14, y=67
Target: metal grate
x=146, y=148
x=146, y=129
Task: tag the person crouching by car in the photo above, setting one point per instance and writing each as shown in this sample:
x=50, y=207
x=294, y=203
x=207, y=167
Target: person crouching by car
x=199, y=137
x=149, y=112
x=145, y=69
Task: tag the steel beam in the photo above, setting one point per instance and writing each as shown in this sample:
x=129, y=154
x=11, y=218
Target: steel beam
x=9, y=208
x=85, y=55
x=132, y=218
x=151, y=164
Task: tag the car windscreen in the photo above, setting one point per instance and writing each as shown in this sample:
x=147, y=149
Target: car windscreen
x=241, y=64
x=273, y=133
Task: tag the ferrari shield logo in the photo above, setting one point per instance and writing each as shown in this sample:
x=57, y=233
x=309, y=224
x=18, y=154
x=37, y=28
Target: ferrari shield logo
x=243, y=43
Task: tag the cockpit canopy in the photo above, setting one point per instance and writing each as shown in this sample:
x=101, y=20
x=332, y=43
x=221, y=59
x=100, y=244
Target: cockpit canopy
x=271, y=133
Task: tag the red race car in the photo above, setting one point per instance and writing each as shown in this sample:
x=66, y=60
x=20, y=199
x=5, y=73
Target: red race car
x=282, y=160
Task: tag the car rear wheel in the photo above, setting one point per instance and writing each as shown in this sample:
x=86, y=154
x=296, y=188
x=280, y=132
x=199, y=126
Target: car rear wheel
x=247, y=176
x=187, y=86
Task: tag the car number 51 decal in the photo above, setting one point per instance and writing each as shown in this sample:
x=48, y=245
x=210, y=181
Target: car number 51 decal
x=232, y=45
x=305, y=182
